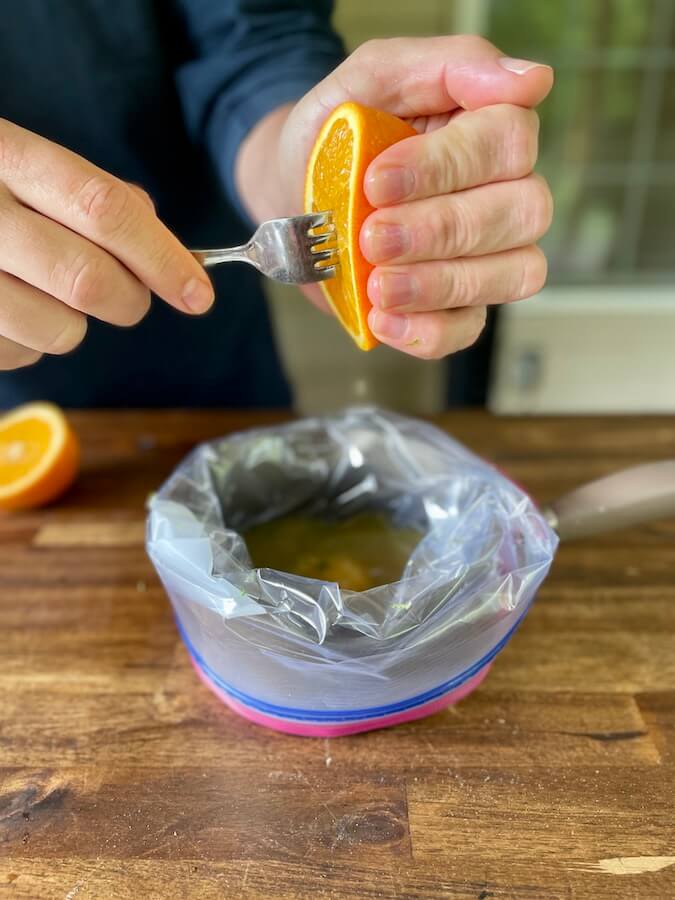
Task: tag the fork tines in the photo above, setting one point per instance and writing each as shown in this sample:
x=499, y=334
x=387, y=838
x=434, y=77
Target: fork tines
x=320, y=233
x=318, y=220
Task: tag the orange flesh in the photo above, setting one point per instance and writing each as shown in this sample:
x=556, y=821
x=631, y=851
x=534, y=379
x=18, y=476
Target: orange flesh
x=349, y=141
x=331, y=191
x=21, y=447
x=39, y=456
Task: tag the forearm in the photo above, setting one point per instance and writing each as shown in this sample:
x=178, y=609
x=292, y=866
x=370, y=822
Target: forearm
x=259, y=180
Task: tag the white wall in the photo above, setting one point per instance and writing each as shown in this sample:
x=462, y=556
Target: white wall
x=587, y=350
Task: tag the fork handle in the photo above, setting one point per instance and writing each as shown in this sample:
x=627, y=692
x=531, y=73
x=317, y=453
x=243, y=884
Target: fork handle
x=209, y=258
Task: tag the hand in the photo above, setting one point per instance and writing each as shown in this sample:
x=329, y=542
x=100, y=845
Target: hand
x=75, y=241
x=458, y=210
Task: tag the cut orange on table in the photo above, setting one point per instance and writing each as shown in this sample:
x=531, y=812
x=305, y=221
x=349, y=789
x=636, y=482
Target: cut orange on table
x=39, y=456
x=351, y=138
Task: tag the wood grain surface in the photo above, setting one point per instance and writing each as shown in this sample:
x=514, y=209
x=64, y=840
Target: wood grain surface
x=122, y=777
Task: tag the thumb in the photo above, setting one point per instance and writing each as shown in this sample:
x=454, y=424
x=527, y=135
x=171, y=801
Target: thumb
x=412, y=77
x=494, y=79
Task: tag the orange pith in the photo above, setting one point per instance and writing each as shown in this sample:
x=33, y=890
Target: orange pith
x=39, y=456
x=351, y=138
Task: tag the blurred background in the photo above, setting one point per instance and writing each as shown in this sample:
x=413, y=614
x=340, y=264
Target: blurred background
x=601, y=336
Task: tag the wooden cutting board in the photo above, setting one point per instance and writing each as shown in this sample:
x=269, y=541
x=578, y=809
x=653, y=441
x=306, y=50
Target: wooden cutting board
x=121, y=776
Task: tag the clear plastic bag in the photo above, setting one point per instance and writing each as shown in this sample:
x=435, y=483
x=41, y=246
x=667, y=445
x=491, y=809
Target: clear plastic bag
x=302, y=650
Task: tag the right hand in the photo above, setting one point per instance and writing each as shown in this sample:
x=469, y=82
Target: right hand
x=76, y=241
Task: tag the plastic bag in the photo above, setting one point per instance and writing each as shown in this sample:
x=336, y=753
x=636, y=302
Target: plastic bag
x=300, y=650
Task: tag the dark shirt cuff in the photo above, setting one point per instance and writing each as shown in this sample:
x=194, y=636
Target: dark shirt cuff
x=229, y=125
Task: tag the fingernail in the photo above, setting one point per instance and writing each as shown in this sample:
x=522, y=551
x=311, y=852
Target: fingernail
x=389, y=184
x=391, y=328
x=383, y=242
x=198, y=295
x=520, y=66
x=396, y=289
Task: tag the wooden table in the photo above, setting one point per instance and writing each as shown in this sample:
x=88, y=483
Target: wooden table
x=121, y=776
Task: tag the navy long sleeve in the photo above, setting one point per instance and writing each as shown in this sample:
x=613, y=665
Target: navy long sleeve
x=250, y=57
x=161, y=93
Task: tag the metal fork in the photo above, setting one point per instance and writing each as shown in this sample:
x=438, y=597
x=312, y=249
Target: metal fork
x=293, y=250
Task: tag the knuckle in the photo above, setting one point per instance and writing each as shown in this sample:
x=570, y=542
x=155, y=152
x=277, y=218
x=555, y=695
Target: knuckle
x=370, y=50
x=533, y=207
x=86, y=284
x=456, y=227
x=522, y=140
x=104, y=201
x=445, y=168
x=372, y=57
x=542, y=205
x=466, y=287
x=68, y=337
x=91, y=282
x=535, y=270
x=451, y=287
x=446, y=231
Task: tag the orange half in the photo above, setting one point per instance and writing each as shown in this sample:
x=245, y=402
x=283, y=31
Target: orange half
x=39, y=456
x=350, y=139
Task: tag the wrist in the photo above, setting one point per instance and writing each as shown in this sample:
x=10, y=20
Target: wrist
x=258, y=177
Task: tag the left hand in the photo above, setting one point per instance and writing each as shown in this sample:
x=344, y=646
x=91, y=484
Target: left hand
x=457, y=208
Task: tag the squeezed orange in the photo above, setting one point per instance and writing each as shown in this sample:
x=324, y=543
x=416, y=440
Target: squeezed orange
x=350, y=139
